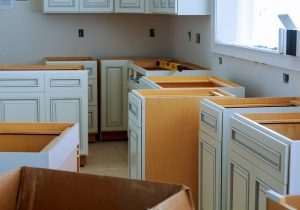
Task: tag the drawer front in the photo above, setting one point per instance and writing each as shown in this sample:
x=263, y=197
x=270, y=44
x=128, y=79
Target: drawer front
x=211, y=122
x=92, y=92
x=59, y=81
x=92, y=119
x=134, y=109
x=266, y=152
x=21, y=81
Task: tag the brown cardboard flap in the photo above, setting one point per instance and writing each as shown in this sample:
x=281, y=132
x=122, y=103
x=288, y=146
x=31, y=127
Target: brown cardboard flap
x=9, y=186
x=49, y=189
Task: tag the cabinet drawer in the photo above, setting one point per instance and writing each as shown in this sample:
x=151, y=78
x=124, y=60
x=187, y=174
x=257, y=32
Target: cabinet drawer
x=134, y=109
x=62, y=80
x=92, y=92
x=211, y=122
x=264, y=151
x=21, y=81
x=92, y=119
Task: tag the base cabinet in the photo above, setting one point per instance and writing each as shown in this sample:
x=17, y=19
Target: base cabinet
x=114, y=95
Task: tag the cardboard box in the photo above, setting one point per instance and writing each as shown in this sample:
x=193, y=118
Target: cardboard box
x=45, y=145
x=44, y=189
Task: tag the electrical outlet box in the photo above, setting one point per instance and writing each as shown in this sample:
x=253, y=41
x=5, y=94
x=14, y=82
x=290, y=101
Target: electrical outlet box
x=198, y=38
x=220, y=60
x=80, y=33
x=285, y=78
x=152, y=32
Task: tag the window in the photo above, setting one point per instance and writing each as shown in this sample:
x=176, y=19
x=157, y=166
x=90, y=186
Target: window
x=253, y=25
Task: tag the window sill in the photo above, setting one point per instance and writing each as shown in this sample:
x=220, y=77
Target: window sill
x=260, y=56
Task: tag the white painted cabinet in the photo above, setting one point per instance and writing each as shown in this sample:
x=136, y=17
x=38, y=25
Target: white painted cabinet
x=91, y=66
x=77, y=6
x=214, y=119
x=114, y=95
x=181, y=7
x=46, y=96
x=131, y=6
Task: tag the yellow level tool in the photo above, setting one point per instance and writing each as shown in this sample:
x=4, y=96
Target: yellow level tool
x=169, y=65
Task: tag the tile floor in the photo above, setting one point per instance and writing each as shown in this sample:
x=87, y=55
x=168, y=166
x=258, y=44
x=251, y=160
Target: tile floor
x=107, y=158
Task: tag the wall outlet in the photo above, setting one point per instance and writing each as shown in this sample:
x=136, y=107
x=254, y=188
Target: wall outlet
x=80, y=33
x=198, y=38
x=285, y=78
x=220, y=60
x=152, y=32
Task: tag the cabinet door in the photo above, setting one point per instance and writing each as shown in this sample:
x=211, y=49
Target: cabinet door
x=114, y=96
x=134, y=151
x=130, y=6
x=61, y=5
x=69, y=107
x=96, y=6
x=239, y=184
x=92, y=92
x=16, y=107
x=93, y=119
x=209, y=173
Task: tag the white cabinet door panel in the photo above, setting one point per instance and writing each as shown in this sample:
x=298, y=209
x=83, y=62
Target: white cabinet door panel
x=25, y=107
x=93, y=119
x=61, y=6
x=96, y=5
x=134, y=151
x=209, y=173
x=130, y=6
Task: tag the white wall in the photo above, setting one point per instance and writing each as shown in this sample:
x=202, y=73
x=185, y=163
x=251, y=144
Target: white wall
x=260, y=80
x=27, y=35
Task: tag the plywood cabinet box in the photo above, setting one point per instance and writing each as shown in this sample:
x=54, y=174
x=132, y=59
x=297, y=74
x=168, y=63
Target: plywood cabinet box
x=264, y=155
x=276, y=201
x=46, y=93
x=190, y=82
x=163, y=135
x=91, y=65
x=214, y=141
x=46, y=145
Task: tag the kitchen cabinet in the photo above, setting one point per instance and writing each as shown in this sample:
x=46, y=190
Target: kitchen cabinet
x=181, y=7
x=214, y=119
x=114, y=95
x=269, y=143
x=163, y=132
x=46, y=145
x=41, y=95
x=91, y=66
x=276, y=201
x=131, y=6
x=190, y=82
x=78, y=6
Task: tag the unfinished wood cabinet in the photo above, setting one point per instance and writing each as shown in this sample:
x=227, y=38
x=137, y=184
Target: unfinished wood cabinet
x=269, y=142
x=214, y=119
x=276, y=201
x=167, y=124
x=191, y=82
x=45, y=145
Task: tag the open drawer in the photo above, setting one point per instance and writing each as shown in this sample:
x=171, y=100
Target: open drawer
x=271, y=141
x=45, y=145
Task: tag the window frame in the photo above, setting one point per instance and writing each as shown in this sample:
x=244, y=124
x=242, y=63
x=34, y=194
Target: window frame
x=263, y=56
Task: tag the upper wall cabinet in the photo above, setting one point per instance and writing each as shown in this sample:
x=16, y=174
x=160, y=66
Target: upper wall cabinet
x=76, y=6
x=181, y=7
x=131, y=6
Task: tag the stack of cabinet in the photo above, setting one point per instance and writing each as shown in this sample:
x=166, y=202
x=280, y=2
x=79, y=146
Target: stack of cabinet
x=180, y=7
x=42, y=95
x=163, y=135
x=91, y=65
x=215, y=142
x=264, y=155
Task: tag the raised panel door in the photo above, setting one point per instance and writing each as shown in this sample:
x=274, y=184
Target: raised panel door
x=130, y=6
x=134, y=151
x=114, y=96
x=61, y=5
x=96, y=5
x=69, y=107
x=209, y=173
x=23, y=107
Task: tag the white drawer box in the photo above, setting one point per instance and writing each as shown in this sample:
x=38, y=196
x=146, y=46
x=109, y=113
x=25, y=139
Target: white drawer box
x=21, y=81
x=43, y=145
x=63, y=80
